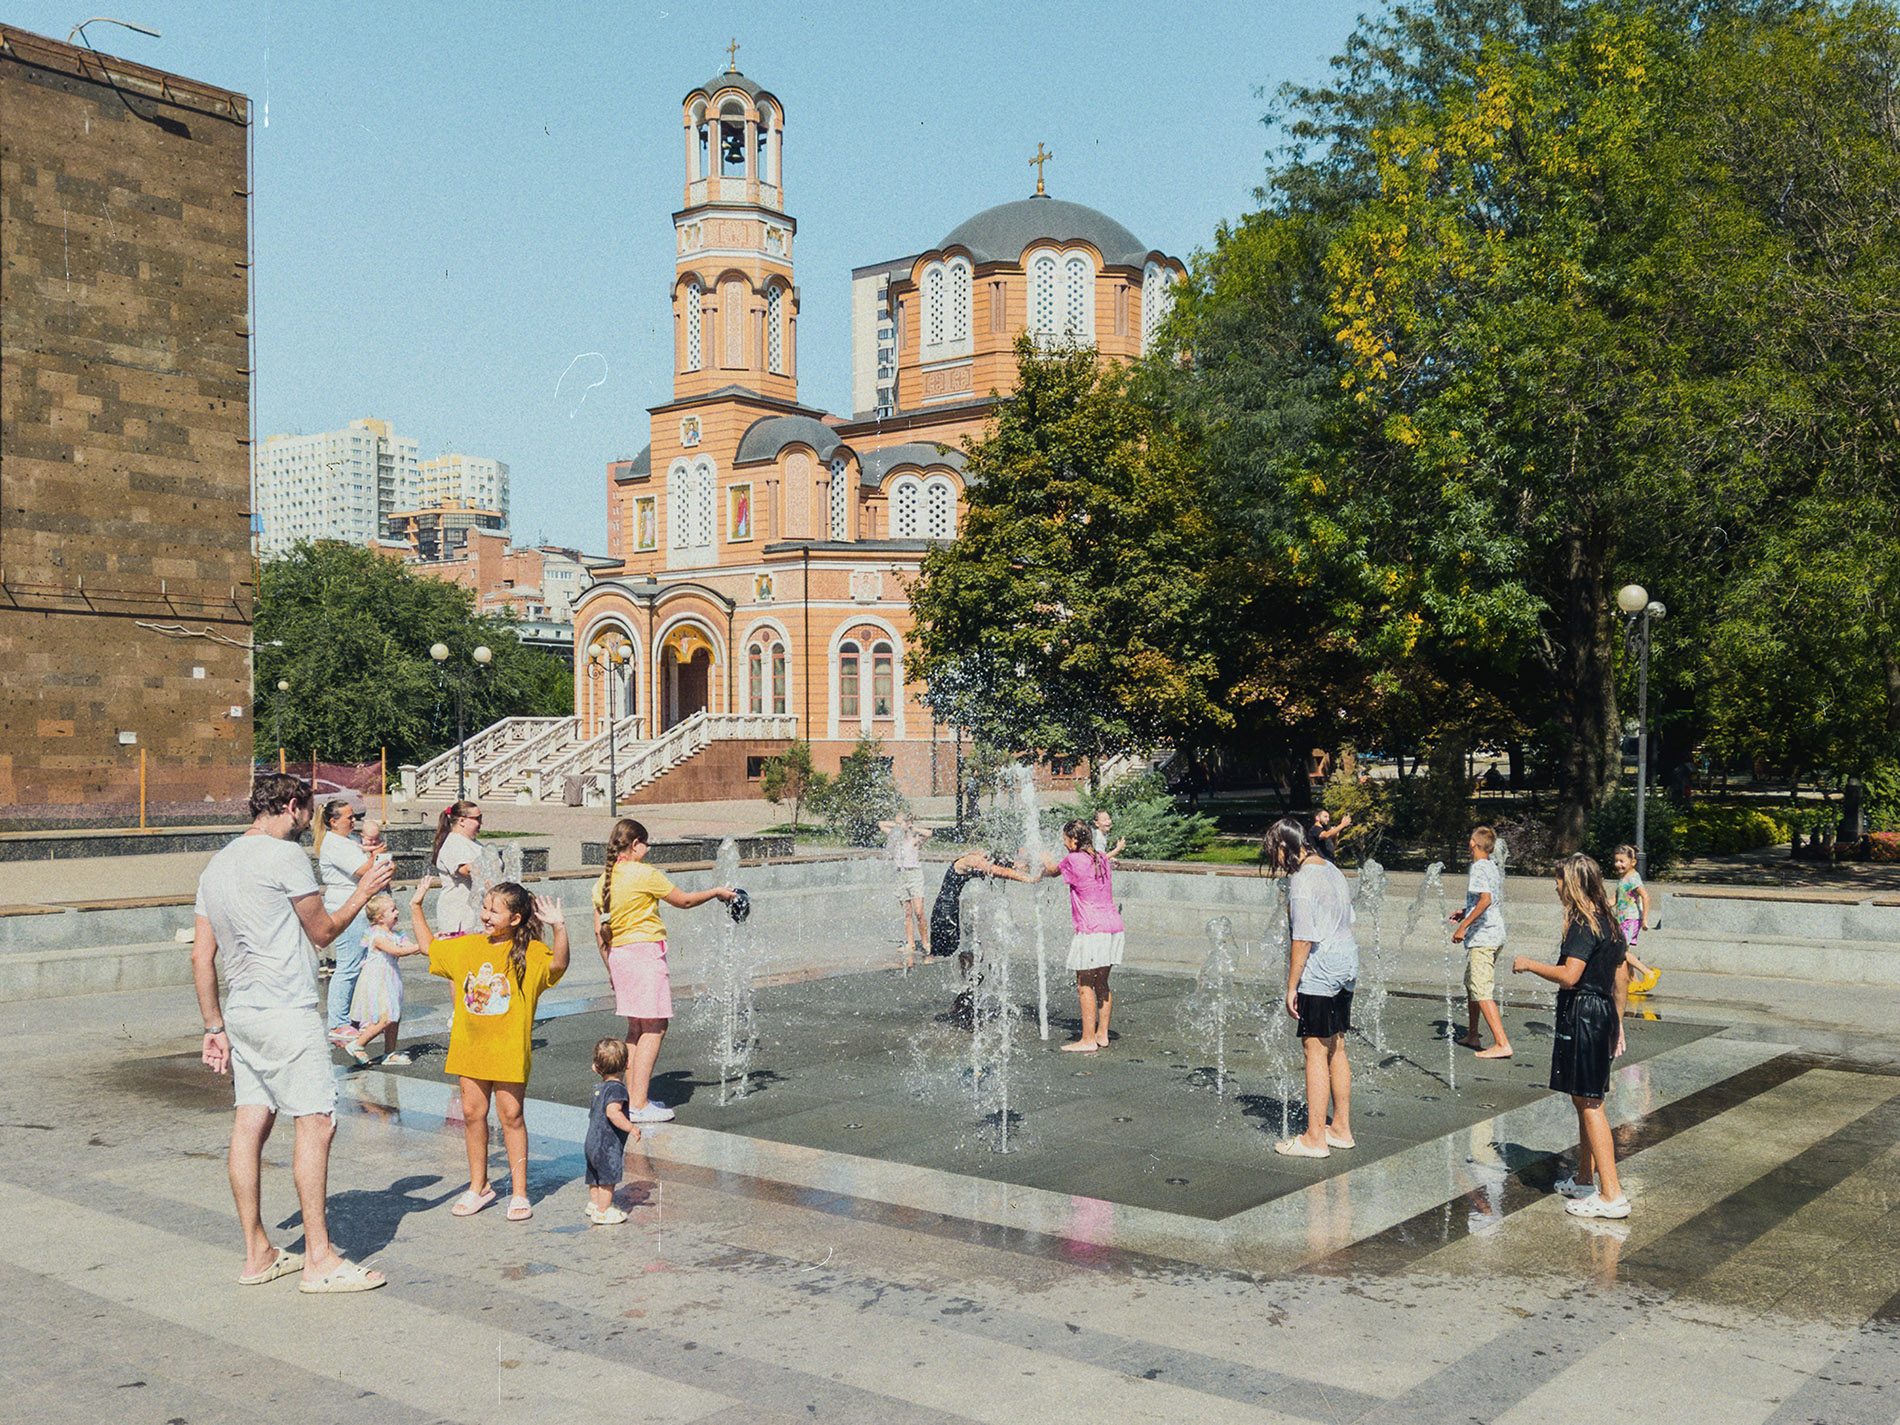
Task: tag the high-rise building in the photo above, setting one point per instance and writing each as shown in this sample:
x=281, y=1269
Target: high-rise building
x=476, y=482
x=874, y=337
x=336, y=484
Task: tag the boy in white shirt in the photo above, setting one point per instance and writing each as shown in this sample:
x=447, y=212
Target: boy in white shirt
x=1480, y=929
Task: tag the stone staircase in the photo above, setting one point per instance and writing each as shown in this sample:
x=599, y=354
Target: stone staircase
x=545, y=760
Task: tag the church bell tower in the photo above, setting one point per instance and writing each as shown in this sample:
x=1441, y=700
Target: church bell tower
x=734, y=305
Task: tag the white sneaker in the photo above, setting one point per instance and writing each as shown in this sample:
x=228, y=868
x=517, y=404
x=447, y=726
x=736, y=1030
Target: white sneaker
x=653, y=1112
x=1570, y=1187
x=1595, y=1206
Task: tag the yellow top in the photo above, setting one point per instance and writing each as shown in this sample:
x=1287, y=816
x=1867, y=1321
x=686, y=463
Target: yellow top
x=638, y=890
x=491, y=1035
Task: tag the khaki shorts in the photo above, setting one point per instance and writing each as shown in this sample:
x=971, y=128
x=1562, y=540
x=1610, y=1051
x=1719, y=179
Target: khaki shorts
x=1481, y=972
x=910, y=883
x=280, y=1060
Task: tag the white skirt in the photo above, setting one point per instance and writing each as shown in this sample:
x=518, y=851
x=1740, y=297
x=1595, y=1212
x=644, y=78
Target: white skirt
x=1096, y=949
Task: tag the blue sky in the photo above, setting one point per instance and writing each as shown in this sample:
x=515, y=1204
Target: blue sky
x=463, y=211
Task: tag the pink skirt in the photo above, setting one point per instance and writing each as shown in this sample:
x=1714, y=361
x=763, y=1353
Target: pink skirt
x=642, y=987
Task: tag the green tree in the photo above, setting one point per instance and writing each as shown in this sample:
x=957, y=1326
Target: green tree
x=860, y=796
x=1507, y=333
x=789, y=777
x=1076, y=613
x=351, y=630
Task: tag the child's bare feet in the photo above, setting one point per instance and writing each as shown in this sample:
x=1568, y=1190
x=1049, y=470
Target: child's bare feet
x=1468, y=1041
x=1496, y=1051
x=1080, y=1046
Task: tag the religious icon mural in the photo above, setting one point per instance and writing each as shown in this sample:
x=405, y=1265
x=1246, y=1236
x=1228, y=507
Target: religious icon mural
x=739, y=512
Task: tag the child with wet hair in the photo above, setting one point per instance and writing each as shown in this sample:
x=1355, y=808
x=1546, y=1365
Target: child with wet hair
x=608, y=1129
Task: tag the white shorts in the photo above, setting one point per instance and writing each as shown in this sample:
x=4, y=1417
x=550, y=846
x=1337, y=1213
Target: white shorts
x=910, y=883
x=280, y=1060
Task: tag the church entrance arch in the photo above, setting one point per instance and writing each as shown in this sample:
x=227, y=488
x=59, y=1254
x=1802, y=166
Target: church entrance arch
x=686, y=667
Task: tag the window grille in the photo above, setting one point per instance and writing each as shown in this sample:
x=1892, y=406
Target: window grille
x=840, y=500
x=933, y=304
x=1042, y=294
x=1080, y=314
x=775, y=328
x=959, y=301
x=940, y=507
x=692, y=326
x=904, y=503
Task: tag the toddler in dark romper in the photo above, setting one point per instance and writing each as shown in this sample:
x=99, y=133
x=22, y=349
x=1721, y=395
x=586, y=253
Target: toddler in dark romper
x=607, y=1130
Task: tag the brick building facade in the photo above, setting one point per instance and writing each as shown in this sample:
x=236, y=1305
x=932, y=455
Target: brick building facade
x=126, y=577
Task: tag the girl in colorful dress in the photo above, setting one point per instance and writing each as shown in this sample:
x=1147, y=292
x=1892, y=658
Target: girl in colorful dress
x=632, y=941
x=377, y=1003
x=1096, y=947
x=497, y=974
x=1632, y=913
x=1593, y=986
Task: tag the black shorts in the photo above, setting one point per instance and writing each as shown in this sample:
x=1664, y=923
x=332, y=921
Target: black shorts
x=1323, y=1016
x=1585, y=1044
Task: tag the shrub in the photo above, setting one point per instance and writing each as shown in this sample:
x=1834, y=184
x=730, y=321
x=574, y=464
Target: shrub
x=860, y=796
x=1726, y=831
x=1883, y=797
x=1530, y=845
x=1614, y=823
x=1883, y=846
x=1368, y=804
x=788, y=777
x=1156, y=828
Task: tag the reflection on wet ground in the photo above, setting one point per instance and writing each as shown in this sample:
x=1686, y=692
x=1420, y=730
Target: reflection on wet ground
x=875, y=1065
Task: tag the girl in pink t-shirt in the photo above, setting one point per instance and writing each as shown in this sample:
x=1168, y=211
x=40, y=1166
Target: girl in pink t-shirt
x=1097, y=945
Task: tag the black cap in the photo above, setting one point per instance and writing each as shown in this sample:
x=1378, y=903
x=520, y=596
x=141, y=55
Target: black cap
x=740, y=906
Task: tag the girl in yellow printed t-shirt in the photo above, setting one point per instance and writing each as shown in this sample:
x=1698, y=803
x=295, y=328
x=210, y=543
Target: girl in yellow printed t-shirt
x=497, y=975
x=632, y=940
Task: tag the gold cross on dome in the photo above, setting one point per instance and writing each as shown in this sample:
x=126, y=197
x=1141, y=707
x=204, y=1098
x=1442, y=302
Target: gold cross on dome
x=1038, y=161
x=732, y=56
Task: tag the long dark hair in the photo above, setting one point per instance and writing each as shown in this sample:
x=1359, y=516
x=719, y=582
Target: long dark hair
x=516, y=898
x=1078, y=832
x=625, y=833
x=455, y=811
x=1286, y=842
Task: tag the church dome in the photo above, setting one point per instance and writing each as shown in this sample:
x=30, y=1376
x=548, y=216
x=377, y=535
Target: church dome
x=1004, y=233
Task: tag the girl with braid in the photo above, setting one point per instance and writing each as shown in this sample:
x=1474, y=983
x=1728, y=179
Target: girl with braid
x=497, y=974
x=1097, y=945
x=632, y=941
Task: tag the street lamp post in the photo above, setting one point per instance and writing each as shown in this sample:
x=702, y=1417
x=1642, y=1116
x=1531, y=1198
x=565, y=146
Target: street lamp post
x=277, y=720
x=612, y=659
x=1639, y=611
x=440, y=652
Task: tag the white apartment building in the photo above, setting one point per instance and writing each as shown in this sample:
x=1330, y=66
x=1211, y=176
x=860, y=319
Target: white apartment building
x=336, y=484
x=477, y=482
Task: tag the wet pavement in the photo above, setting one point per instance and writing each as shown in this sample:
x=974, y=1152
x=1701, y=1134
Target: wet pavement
x=804, y=1270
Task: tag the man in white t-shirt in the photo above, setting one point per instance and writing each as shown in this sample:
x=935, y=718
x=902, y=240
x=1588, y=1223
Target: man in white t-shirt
x=259, y=907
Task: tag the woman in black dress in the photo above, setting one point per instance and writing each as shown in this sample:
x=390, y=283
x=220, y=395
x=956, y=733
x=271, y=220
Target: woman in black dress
x=946, y=919
x=1593, y=986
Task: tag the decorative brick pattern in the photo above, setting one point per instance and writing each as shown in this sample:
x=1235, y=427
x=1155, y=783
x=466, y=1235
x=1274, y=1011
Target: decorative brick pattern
x=125, y=553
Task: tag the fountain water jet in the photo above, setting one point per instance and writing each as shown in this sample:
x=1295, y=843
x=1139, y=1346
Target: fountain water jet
x=1369, y=900
x=1278, y=1039
x=1204, y=1012
x=735, y=1035
x=1034, y=846
x=990, y=933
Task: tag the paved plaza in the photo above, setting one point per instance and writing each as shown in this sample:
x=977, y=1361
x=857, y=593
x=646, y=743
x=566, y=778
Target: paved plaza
x=781, y=1265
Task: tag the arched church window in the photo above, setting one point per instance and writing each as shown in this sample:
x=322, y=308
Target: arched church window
x=840, y=500
x=692, y=326
x=778, y=679
x=755, y=678
x=933, y=304
x=940, y=508
x=702, y=512
x=679, y=504
x=1079, y=302
x=848, y=679
x=906, y=505
x=959, y=277
x=1042, y=294
x=1157, y=300
x=881, y=695
x=775, y=328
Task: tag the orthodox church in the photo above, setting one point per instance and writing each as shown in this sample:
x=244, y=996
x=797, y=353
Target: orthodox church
x=767, y=545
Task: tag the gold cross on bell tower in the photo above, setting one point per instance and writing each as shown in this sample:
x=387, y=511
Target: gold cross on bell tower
x=1038, y=161
x=732, y=57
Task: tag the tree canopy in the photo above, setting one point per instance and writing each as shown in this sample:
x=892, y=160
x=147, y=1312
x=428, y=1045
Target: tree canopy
x=351, y=631
x=1542, y=297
